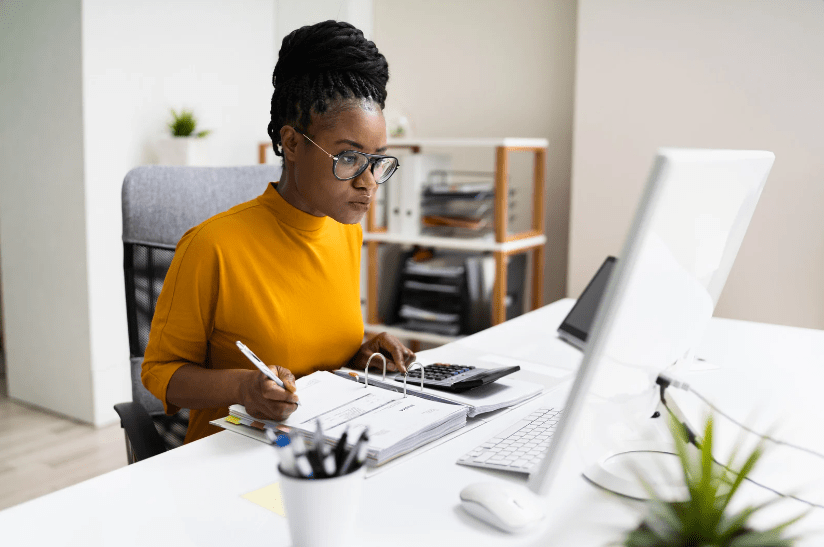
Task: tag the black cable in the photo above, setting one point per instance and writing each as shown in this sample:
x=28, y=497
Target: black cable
x=692, y=438
x=745, y=428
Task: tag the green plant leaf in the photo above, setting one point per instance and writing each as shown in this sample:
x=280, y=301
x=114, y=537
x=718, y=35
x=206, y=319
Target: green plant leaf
x=769, y=538
x=182, y=124
x=664, y=521
x=679, y=437
x=733, y=524
x=706, y=488
x=743, y=472
x=641, y=537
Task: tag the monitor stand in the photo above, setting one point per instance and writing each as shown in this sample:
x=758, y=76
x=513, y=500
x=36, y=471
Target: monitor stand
x=620, y=470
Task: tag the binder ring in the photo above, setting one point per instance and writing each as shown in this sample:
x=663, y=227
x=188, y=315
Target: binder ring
x=407, y=373
x=366, y=377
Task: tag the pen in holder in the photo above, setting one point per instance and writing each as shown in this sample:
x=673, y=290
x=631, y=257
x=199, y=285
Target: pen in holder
x=407, y=374
x=332, y=493
x=366, y=376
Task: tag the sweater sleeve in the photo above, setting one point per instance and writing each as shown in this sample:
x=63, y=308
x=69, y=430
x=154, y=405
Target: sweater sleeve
x=184, y=316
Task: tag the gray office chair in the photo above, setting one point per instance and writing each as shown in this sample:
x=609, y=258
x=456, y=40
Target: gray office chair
x=159, y=205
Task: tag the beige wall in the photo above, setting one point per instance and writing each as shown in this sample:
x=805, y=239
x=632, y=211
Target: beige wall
x=716, y=74
x=487, y=68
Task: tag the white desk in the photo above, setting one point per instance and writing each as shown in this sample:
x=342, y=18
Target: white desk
x=192, y=495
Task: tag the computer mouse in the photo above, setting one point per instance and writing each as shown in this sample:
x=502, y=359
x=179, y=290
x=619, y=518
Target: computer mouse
x=510, y=507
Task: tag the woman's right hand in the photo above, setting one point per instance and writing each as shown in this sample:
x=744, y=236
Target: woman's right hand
x=264, y=399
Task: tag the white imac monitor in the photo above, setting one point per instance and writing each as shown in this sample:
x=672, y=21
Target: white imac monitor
x=683, y=240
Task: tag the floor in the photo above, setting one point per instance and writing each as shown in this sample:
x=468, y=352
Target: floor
x=41, y=452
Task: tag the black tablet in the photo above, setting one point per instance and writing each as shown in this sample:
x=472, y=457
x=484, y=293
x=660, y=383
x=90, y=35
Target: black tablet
x=576, y=325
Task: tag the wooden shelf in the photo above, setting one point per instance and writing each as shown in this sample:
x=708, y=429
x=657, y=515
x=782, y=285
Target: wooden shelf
x=460, y=143
x=462, y=244
x=428, y=337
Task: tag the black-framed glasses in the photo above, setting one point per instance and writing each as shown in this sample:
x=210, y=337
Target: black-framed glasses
x=351, y=163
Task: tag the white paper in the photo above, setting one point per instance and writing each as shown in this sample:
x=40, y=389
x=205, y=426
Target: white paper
x=396, y=423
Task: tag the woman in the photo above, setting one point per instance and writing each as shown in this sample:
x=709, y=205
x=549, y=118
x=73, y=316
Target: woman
x=281, y=273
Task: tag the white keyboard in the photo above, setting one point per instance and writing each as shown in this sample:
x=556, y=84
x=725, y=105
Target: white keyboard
x=518, y=448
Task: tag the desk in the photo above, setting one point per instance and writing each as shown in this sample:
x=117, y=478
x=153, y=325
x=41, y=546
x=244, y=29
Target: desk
x=192, y=495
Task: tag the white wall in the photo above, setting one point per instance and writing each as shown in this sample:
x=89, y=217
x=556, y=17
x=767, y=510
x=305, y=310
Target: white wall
x=487, y=68
x=86, y=89
x=139, y=60
x=716, y=74
x=293, y=14
x=42, y=207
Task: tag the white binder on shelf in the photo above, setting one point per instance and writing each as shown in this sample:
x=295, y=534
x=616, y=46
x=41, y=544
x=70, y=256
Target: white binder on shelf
x=403, y=191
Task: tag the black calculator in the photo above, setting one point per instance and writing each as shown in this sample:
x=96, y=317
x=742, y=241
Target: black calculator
x=454, y=378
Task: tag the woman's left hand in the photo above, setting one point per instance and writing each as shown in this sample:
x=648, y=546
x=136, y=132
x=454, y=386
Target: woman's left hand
x=398, y=356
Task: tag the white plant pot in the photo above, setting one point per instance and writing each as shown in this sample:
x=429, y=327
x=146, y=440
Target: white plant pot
x=181, y=151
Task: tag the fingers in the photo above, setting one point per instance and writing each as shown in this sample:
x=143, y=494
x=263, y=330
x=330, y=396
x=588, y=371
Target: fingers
x=288, y=378
x=273, y=392
x=409, y=355
x=271, y=410
x=399, y=354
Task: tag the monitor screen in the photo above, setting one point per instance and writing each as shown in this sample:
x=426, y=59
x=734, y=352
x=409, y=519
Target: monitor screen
x=578, y=322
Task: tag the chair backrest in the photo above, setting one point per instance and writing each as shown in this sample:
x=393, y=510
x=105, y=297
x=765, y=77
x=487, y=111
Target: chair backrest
x=160, y=204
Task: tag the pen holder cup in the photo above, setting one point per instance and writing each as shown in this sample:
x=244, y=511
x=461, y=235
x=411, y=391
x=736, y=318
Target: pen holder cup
x=322, y=512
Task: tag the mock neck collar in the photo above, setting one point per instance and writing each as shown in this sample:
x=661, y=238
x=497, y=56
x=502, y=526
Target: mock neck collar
x=288, y=213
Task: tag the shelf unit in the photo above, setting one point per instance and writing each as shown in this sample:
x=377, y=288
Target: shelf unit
x=502, y=246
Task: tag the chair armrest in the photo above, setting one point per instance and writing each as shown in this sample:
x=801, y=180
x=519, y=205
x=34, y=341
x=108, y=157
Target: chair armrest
x=140, y=430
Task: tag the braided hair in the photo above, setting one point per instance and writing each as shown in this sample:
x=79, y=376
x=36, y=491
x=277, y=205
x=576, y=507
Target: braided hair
x=319, y=65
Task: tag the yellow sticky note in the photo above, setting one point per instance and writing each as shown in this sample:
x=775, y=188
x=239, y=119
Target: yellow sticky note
x=232, y=420
x=268, y=497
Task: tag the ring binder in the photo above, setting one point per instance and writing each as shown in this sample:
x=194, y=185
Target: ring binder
x=407, y=374
x=366, y=370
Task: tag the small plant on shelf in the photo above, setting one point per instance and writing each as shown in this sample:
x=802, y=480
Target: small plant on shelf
x=184, y=124
x=703, y=519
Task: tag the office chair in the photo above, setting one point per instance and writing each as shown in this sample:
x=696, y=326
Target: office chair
x=159, y=205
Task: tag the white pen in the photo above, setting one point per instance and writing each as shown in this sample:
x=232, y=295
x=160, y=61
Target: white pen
x=260, y=365
x=287, y=458
x=329, y=466
x=302, y=464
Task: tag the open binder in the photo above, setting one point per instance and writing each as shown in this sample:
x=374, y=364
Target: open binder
x=503, y=393
x=397, y=424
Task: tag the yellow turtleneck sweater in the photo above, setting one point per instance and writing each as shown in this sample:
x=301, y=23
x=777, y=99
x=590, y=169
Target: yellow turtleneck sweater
x=283, y=282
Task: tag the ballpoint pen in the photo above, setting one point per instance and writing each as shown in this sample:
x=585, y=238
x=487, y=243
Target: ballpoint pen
x=260, y=365
x=302, y=464
x=284, y=450
x=340, y=449
x=329, y=465
x=320, y=443
x=360, y=459
x=353, y=453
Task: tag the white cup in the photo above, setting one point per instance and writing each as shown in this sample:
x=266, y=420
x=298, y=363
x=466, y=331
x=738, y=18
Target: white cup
x=322, y=512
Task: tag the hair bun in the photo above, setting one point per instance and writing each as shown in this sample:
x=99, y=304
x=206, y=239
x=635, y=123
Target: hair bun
x=318, y=63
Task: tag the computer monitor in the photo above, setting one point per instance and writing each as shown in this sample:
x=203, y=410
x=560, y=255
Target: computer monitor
x=687, y=229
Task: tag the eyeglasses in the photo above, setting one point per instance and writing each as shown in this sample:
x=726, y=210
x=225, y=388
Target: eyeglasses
x=351, y=163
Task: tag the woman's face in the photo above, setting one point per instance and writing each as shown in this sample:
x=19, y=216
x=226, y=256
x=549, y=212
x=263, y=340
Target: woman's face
x=310, y=184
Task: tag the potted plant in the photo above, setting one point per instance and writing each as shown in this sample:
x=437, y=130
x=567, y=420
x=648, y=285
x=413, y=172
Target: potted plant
x=185, y=146
x=704, y=519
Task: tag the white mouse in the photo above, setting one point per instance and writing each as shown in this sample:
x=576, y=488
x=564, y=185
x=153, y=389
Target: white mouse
x=510, y=507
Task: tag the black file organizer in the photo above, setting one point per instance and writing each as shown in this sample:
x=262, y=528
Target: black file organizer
x=456, y=289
